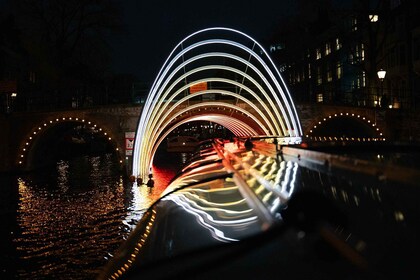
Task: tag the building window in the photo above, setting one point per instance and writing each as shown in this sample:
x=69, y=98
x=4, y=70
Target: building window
x=319, y=98
x=337, y=44
x=351, y=60
x=353, y=24
x=359, y=53
x=303, y=74
x=319, y=76
x=373, y=18
x=277, y=47
x=339, y=70
x=362, y=51
x=32, y=77
x=327, y=48
x=329, y=73
x=359, y=81
x=309, y=71
x=282, y=68
x=318, y=53
x=364, y=79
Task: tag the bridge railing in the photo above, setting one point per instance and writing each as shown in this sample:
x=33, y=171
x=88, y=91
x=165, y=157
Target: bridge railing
x=364, y=97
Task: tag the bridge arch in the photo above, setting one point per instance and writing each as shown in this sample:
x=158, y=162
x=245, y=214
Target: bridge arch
x=242, y=90
x=345, y=126
x=32, y=146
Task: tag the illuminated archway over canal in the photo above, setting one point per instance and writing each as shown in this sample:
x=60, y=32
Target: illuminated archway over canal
x=220, y=75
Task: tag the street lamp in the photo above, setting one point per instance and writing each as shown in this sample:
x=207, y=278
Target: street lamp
x=381, y=76
x=10, y=98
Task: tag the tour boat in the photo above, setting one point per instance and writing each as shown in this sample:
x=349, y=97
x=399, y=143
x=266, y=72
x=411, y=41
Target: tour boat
x=238, y=213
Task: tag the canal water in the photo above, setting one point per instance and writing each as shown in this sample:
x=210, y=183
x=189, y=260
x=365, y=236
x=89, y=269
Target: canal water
x=65, y=221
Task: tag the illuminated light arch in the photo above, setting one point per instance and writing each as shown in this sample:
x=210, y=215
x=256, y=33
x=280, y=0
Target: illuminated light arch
x=236, y=126
x=208, y=105
x=271, y=103
x=259, y=87
x=368, y=123
x=36, y=132
x=226, y=93
x=164, y=102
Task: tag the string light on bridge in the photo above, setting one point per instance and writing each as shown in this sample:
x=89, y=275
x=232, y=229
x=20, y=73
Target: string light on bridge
x=352, y=115
x=30, y=139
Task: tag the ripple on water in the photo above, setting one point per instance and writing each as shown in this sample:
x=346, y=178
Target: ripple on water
x=73, y=216
x=70, y=222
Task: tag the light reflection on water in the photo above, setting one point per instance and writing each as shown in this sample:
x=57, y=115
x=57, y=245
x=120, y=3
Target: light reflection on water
x=163, y=170
x=71, y=218
x=68, y=219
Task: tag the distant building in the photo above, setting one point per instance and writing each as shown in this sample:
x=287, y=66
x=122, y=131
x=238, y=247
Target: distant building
x=15, y=72
x=335, y=57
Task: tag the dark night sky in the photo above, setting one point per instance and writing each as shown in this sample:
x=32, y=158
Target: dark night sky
x=153, y=28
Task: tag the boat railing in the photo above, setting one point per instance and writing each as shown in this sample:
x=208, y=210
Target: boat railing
x=230, y=160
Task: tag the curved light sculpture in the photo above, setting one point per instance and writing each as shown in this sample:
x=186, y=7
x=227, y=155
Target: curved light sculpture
x=249, y=95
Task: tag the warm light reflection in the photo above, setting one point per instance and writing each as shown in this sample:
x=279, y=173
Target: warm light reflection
x=66, y=218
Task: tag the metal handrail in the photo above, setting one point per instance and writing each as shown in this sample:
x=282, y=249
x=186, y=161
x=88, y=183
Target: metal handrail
x=252, y=199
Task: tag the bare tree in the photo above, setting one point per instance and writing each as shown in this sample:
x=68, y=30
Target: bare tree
x=66, y=38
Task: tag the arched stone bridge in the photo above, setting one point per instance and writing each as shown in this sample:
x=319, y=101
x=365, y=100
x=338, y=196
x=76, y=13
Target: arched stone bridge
x=239, y=87
x=22, y=132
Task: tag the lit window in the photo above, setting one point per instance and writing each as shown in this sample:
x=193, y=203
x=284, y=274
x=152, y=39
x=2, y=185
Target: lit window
x=329, y=74
x=277, y=47
x=280, y=46
x=319, y=76
x=319, y=98
x=362, y=55
x=373, y=18
x=309, y=71
x=318, y=53
x=282, y=68
x=337, y=44
x=339, y=70
x=327, y=48
x=353, y=24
